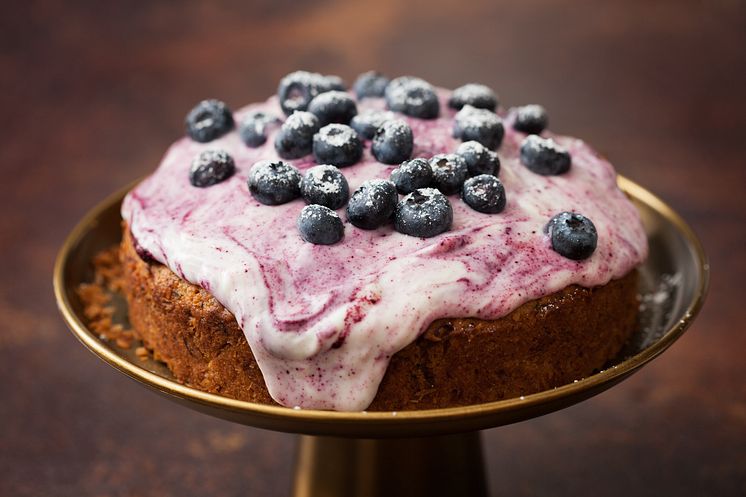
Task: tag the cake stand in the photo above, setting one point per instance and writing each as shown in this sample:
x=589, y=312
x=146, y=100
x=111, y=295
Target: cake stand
x=413, y=453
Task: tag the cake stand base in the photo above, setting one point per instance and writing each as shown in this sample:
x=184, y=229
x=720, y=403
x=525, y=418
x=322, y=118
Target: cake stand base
x=674, y=281
x=432, y=466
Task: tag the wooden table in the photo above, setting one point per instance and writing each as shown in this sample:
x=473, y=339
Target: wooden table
x=92, y=96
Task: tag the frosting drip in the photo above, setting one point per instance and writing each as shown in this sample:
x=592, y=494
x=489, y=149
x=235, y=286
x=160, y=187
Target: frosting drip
x=323, y=321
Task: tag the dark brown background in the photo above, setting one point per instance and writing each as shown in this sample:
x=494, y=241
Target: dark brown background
x=91, y=97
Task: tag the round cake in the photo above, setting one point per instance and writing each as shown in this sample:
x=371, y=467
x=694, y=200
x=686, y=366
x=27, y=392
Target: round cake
x=394, y=247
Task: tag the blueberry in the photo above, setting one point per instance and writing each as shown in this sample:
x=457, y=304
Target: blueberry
x=479, y=96
x=449, y=172
x=573, y=235
x=370, y=84
x=335, y=83
x=367, y=122
x=479, y=159
x=412, y=96
x=425, y=212
x=412, y=175
x=393, y=142
x=208, y=120
x=274, y=183
x=295, y=138
x=531, y=119
x=253, y=128
x=338, y=145
x=543, y=156
x=333, y=107
x=373, y=204
x=320, y=225
x=325, y=185
x=484, y=193
x=480, y=125
x=297, y=89
x=211, y=167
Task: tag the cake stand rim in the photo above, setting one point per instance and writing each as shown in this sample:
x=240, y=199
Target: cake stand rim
x=335, y=423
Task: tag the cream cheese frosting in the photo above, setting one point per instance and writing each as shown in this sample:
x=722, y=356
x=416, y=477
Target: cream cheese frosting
x=323, y=321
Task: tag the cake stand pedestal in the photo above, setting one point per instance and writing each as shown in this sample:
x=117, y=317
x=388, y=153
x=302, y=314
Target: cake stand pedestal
x=427, y=452
x=414, y=467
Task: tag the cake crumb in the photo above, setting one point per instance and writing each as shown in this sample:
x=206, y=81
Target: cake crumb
x=142, y=353
x=96, y=297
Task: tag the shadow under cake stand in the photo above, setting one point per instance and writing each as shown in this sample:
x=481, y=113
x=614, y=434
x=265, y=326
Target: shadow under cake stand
x=427, y=452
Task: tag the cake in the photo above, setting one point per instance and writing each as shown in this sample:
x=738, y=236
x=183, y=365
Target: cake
x=396, y=247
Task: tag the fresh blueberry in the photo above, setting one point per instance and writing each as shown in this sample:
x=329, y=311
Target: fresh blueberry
x=325, y=185
x=412, y=175
x=338, y=145
x=208, y=120
x=479, y=159
x=425, y=212
x=320, y=225
x=335, y=83
x=333, y=107
x=274, y=183
x=573, y=235
x=393, y=142
x=531, y=119
x=484, y=193
x=295, y=138
x=253, y=128
x=373, y=204
x=449, y=172
x=370, y=84
x=479, y=96
x=211, y=167
x=480, y=125
x=412, y=96
x=544, y=156
x=367, y=122
x=297, y=89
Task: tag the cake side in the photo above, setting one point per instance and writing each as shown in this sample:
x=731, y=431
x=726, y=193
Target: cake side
x=542, y=344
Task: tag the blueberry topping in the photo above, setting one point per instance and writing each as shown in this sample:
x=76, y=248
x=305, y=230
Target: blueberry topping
x=335, y=83
x=449, y=172
x=333, y=107
x=325, y=185
x=208, y=120
x=480, y=125
x=425, y=212
x=573, y=235
x=367, y=122
x=412, y=175
x=320, y=225
x=297, y=89
x=531, y=119
x=295, y=138
x=393, y=142
x=543, y=156
x=274, y=183
x=479, y=159
x=370, y=84
x=479, y=96
x=338, y=145
x=253, y=128
x=211, y=167
x=373, y=204
x=412, y=96
x=484, y=193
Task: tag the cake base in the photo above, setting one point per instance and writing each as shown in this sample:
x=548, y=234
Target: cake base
x=544, y=343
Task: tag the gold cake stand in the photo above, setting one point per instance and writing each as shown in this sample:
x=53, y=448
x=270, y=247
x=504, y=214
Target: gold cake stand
x=413, y=453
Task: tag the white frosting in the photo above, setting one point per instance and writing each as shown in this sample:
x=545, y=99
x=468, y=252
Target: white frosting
x=323, y=321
